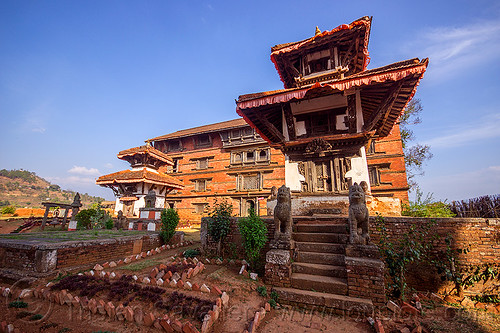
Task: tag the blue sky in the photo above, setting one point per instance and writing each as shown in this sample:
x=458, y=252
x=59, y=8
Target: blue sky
x=82, y=80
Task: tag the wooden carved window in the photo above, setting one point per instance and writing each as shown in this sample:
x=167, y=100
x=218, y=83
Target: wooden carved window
x=200, y=185
x=250, y=182
x=174, y=145
x=236, y=158
x=249, y=156
x=200, y=208
x=202, y=163
x=203, y=140
x=374, y=174
x=174, y=168
x=371, y=148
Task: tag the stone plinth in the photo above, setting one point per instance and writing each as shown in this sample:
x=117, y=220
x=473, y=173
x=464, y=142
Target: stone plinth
x=278, y=268
x=365, y=273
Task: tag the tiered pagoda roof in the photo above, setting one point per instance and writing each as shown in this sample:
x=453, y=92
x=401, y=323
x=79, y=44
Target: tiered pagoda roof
x=138, y=176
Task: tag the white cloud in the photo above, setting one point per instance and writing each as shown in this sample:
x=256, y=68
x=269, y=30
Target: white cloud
x=108, y=165
x=81, y=170
x=487, y=127
x=38, y=130
x=452, y=50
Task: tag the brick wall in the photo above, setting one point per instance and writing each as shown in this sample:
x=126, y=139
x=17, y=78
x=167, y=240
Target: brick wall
x=45, y=257
x=389, y=159
x=103, y=251
x=480, y=236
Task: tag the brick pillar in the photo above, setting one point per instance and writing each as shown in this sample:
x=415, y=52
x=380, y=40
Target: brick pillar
x=278, y=268
x=365, y=273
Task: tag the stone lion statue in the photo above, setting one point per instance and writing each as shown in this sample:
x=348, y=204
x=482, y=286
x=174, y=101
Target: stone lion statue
x=358, y=216
x=283, y=216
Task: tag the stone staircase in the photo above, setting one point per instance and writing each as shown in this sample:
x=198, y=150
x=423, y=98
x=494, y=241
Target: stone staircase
x=319, y=274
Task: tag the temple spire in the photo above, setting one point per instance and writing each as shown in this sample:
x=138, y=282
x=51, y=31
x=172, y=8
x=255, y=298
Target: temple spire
x=317, y=32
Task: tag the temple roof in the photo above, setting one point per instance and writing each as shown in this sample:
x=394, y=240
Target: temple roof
x=354, y=37
x=146, y=149
x=235, y=123
x=399, y=79
x=137, y=176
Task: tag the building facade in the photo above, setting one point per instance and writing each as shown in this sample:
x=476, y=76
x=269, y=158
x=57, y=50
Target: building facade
x=334, y=123
x=224, y=161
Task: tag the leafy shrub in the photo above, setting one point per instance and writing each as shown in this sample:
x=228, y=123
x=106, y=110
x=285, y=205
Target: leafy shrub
x=169, y=222
x=254, y=233
x=219, y=223
x=94, y=218
x=18, y=304
x=8, y=210
x=426, y=207
x=36, y=317
x=109, y=224
x=262, y=291
x=191, y=253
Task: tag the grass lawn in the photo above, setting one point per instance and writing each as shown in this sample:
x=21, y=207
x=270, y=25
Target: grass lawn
x=61, y=236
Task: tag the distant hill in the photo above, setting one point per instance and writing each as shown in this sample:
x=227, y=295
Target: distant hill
x=22, y=188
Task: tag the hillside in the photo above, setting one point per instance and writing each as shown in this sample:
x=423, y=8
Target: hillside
x=21, y=188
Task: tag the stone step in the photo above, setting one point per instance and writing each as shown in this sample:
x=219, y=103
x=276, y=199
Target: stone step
x=320, y=283
x=321, y=258
x=318, y=269
x=320, y=247
x=327, y=219
x=351, y=306
x=322, y=228
x=320, y=238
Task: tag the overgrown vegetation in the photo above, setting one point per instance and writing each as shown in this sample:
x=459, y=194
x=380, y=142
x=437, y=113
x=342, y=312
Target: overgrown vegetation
x=219, y=223
x=169, y=222
x=400, y=253
x=426, y=207
x=18, y=304
x=262, y=290
x=191, y=253
x=8, y=210
x=94, y=218
x=485, y=206
x=421, y=244
x=254, y=233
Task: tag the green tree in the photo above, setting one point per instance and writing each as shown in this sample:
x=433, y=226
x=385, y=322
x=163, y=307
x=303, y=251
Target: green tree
x=415, y=154
x=219, y=223
x=254, y=233
x=169, y=222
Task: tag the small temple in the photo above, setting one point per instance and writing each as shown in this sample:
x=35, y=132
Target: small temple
x=140, y=191
x=331, y=107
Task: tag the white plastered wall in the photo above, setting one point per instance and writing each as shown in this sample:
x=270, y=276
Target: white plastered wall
x=293, y=177
x=359, y=169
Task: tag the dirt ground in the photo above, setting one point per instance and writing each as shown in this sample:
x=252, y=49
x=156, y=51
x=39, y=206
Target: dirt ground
x=6, y=227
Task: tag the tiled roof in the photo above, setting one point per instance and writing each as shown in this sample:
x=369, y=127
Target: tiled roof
x=146, y=149
x=135, y=176
x=202, y=129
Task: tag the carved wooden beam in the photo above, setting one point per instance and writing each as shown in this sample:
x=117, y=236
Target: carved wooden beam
x=290, y=124
x=347, y=56
x=351, y=113
x=386, y=104
x=272, y=128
